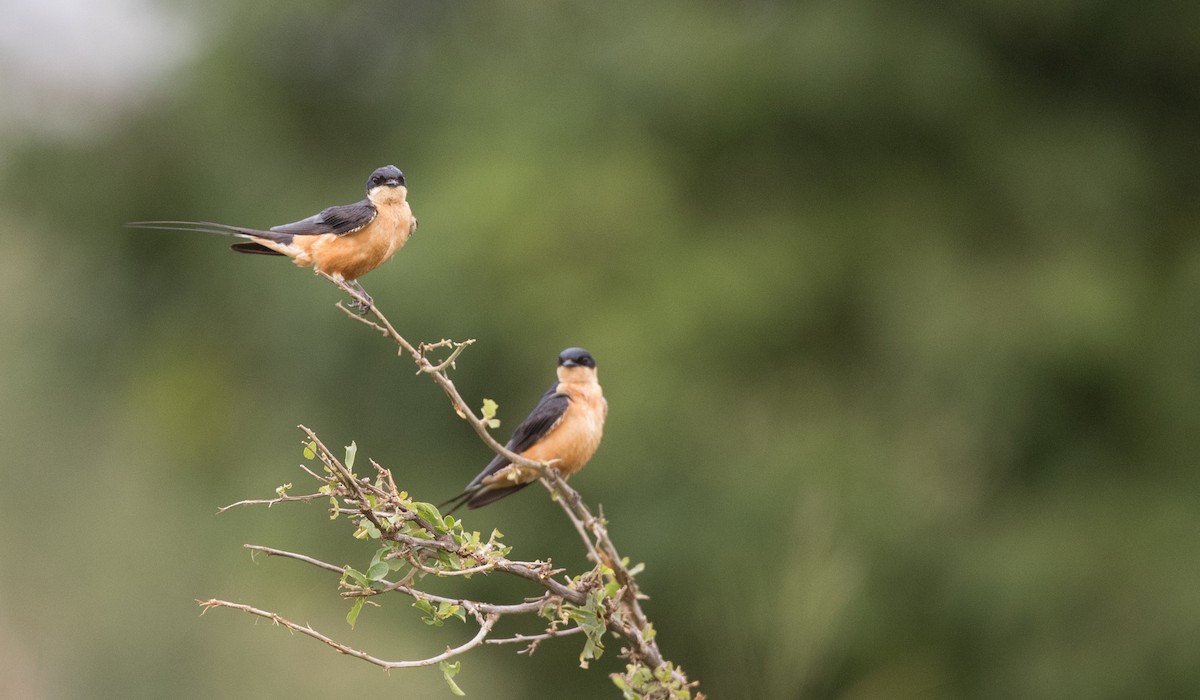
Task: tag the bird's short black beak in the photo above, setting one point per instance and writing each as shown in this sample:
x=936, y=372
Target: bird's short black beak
x=392, y=182
x=570, y=363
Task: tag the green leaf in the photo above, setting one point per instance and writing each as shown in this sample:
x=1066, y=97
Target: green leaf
x=310, y=450
x=370, y=529
x=430, y=617
x=282, y=490
x=378, y=570
x=428, y=512
x=352, y=616
x=489, y=413
x=489, y=408
x=452, y=561
x=359, y=577
x=446, y=610
x=589, y=652
x=449, y=671
x=351, y=450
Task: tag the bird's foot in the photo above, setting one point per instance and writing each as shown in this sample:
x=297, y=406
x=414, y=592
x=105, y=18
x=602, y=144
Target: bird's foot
x=361, y=302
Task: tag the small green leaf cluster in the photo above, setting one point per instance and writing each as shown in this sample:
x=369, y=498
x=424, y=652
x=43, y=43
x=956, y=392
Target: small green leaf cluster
x=435, y=615
x=640, y=682
x=417, y=536
x=592, y=617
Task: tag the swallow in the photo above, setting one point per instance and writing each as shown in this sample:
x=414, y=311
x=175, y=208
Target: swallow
x=344, y=242
x=563, y=431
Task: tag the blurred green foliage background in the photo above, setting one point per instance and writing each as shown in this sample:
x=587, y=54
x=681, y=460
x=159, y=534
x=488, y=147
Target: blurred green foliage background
x=897, y=307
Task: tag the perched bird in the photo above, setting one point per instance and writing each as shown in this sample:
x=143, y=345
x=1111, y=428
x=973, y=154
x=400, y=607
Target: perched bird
x=563, y=430
x=345, y=242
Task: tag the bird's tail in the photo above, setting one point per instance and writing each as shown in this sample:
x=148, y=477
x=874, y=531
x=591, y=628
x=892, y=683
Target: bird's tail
x=455, y=503
x=480, y=496
x=224, y=230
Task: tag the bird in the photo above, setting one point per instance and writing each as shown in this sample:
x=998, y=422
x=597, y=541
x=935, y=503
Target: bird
x=563, y=430
x=344, y=242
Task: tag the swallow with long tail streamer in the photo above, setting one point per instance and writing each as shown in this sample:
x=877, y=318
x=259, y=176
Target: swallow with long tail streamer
x=344, y=242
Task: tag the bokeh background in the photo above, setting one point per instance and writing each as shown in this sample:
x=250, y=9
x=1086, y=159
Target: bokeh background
x=897, y=307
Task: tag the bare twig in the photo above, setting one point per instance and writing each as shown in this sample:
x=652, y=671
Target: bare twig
x=268, y=502
x=579, y=514
x=559, y=490
x=534, y=639
x=481, y=569
x=272, y=552
x=457, y=349
x=485, y=626
x=528, y=606
x=441, y=378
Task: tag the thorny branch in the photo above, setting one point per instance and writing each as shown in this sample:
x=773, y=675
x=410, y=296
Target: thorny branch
x=417, y=538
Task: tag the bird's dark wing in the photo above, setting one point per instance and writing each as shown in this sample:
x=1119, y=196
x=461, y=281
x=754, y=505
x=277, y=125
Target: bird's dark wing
x=544, y=416
x=541, y=420
x=341, y=220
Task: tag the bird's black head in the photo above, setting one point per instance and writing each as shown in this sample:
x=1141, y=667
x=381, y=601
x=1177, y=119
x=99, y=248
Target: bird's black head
x=387, y=176
x=576, y=357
